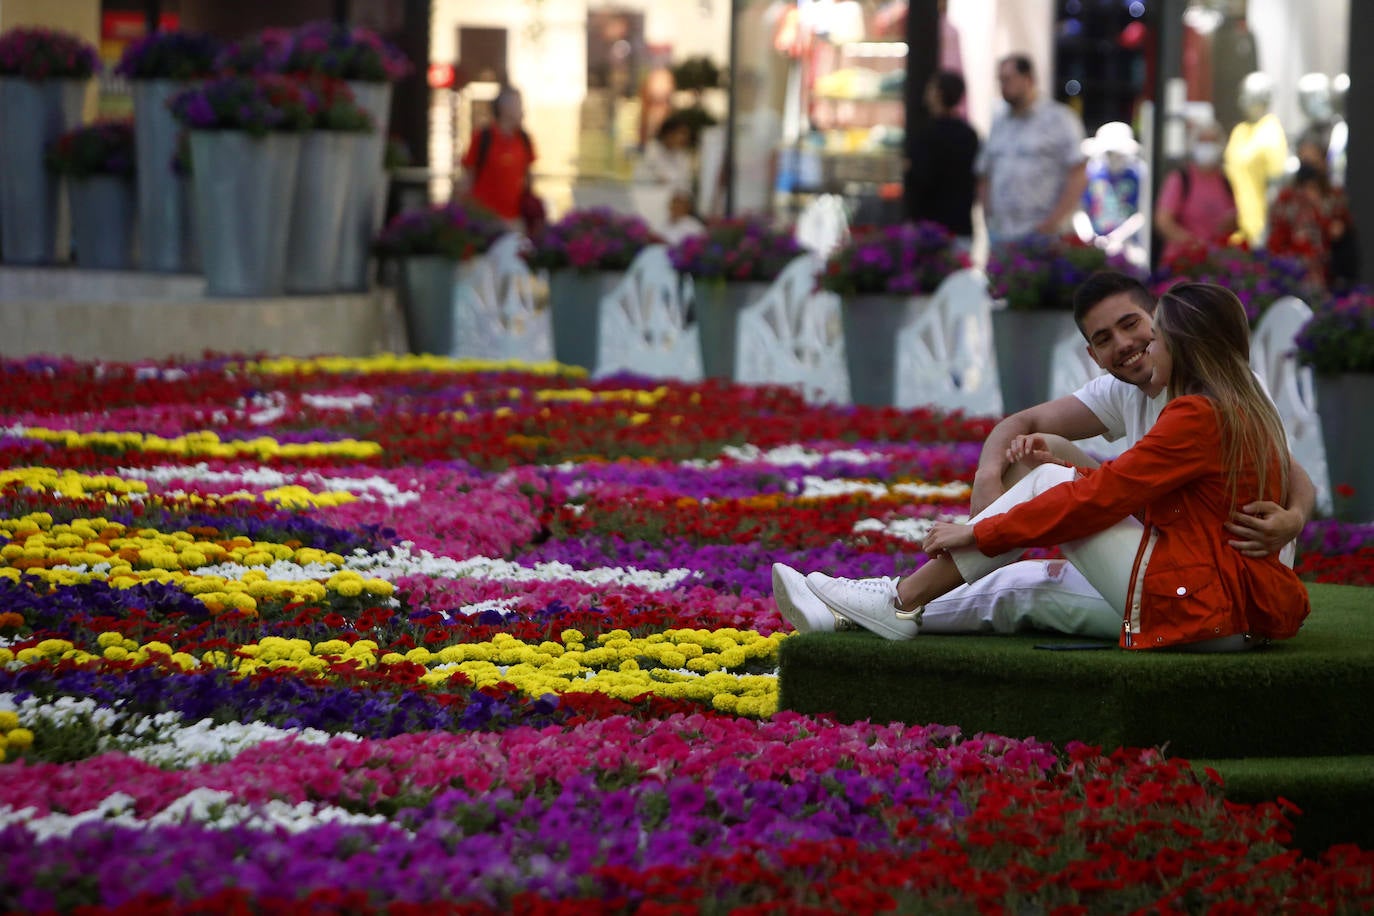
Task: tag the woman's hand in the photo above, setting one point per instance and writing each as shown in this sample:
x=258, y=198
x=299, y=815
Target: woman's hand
x=947, y=536
x=1033, y=450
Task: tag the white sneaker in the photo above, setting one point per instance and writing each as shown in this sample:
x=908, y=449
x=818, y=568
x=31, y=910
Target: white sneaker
x=871, y=603
x=799, y=605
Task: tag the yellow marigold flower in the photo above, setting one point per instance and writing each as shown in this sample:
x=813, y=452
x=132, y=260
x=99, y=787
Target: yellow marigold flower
x=217, y=658
x=392, y=658
x=349, y=588
x=420, y=655
x=331, y=647
x=242, y=601
x=109, y=638
x=54, y=647
x=548, y=647
x=9, y=720
x=375, y=586
x=116, y=653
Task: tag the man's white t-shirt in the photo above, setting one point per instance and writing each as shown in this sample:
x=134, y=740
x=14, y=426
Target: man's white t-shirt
x=1122, y=407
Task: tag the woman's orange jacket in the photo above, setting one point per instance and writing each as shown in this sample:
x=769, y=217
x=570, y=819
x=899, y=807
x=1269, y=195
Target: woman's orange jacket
x=1186, y=583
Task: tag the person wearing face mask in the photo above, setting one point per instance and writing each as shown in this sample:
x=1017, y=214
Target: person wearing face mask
x=1196, y=206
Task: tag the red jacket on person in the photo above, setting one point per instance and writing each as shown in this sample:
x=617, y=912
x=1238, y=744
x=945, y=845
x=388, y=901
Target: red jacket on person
x=1187, y=584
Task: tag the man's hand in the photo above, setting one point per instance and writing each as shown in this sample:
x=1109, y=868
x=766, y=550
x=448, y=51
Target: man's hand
x=1263, y=527
x=1033, y=451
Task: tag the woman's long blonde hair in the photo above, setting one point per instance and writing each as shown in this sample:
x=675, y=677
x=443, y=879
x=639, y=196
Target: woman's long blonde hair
x=1208, y=336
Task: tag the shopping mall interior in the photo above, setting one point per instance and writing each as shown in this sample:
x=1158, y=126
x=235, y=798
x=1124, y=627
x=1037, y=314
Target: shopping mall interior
x=790, y=99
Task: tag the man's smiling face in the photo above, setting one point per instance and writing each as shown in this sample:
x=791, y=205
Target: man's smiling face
x=1119, y=332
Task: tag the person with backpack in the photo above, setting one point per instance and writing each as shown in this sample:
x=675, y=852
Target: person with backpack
x=497, y=163
x=1196, y=206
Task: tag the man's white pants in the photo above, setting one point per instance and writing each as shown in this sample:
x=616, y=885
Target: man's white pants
x=1085, y=596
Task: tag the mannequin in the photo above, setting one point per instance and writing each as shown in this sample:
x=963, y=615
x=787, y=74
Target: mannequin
x=1335, y=150
x=1111, y=217
x=1232, y=53
x=1256, y=156
x=1314, y=98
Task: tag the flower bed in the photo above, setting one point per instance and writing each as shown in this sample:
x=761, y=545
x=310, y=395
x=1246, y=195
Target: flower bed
x=472, y=637
x=1041, y=272
x=1258, y=278
x=907, y=259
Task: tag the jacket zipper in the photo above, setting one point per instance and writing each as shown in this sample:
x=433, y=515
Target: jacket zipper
x=1137, y=587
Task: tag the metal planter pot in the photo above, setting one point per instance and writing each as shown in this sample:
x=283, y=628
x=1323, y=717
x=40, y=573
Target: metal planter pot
x=427, y=298
x=244, y=189
x=871, y=324
x=1024, y=341
x=1348, y=436
x=366, y=190
x=102, y=217
x=717, y=305
x=164, y=218
x=575, y=304
x=317, y=214
x=33, y=113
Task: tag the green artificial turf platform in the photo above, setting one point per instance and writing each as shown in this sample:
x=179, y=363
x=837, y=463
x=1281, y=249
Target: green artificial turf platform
x=1311, y=696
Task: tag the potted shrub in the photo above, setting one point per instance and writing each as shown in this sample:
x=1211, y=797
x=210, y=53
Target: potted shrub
x=1258, y=278
x=731, y=265
x=43, y=78
x=586, y=254
x=158, y=66
x=1033, y=281
x=1337, y=345
x=338, y=125
x=97, y=160
x=884, y=276
x=431, y=246
x=370, y=65
x=245, y=141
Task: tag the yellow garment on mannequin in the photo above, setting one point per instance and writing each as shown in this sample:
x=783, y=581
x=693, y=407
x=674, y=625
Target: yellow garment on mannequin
x=1255, y=156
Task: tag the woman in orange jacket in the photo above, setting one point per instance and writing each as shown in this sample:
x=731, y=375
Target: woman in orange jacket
x=1146, y=529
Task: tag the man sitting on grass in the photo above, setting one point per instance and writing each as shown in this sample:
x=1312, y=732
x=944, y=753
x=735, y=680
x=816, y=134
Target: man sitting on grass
x=1114, y=313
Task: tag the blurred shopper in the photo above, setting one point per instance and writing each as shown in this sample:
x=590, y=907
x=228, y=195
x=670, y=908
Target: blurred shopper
x=1308, y=221
x=1196, y=206
x=1031, y=170
x=940, y=154
x=497, y=163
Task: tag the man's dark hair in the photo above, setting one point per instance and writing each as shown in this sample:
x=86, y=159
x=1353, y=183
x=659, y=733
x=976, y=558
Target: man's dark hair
x=1106, y=283
x=949, y=86
x=1021, y=63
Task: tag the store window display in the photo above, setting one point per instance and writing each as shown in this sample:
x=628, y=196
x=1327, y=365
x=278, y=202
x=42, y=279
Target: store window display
x=1256, y=156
